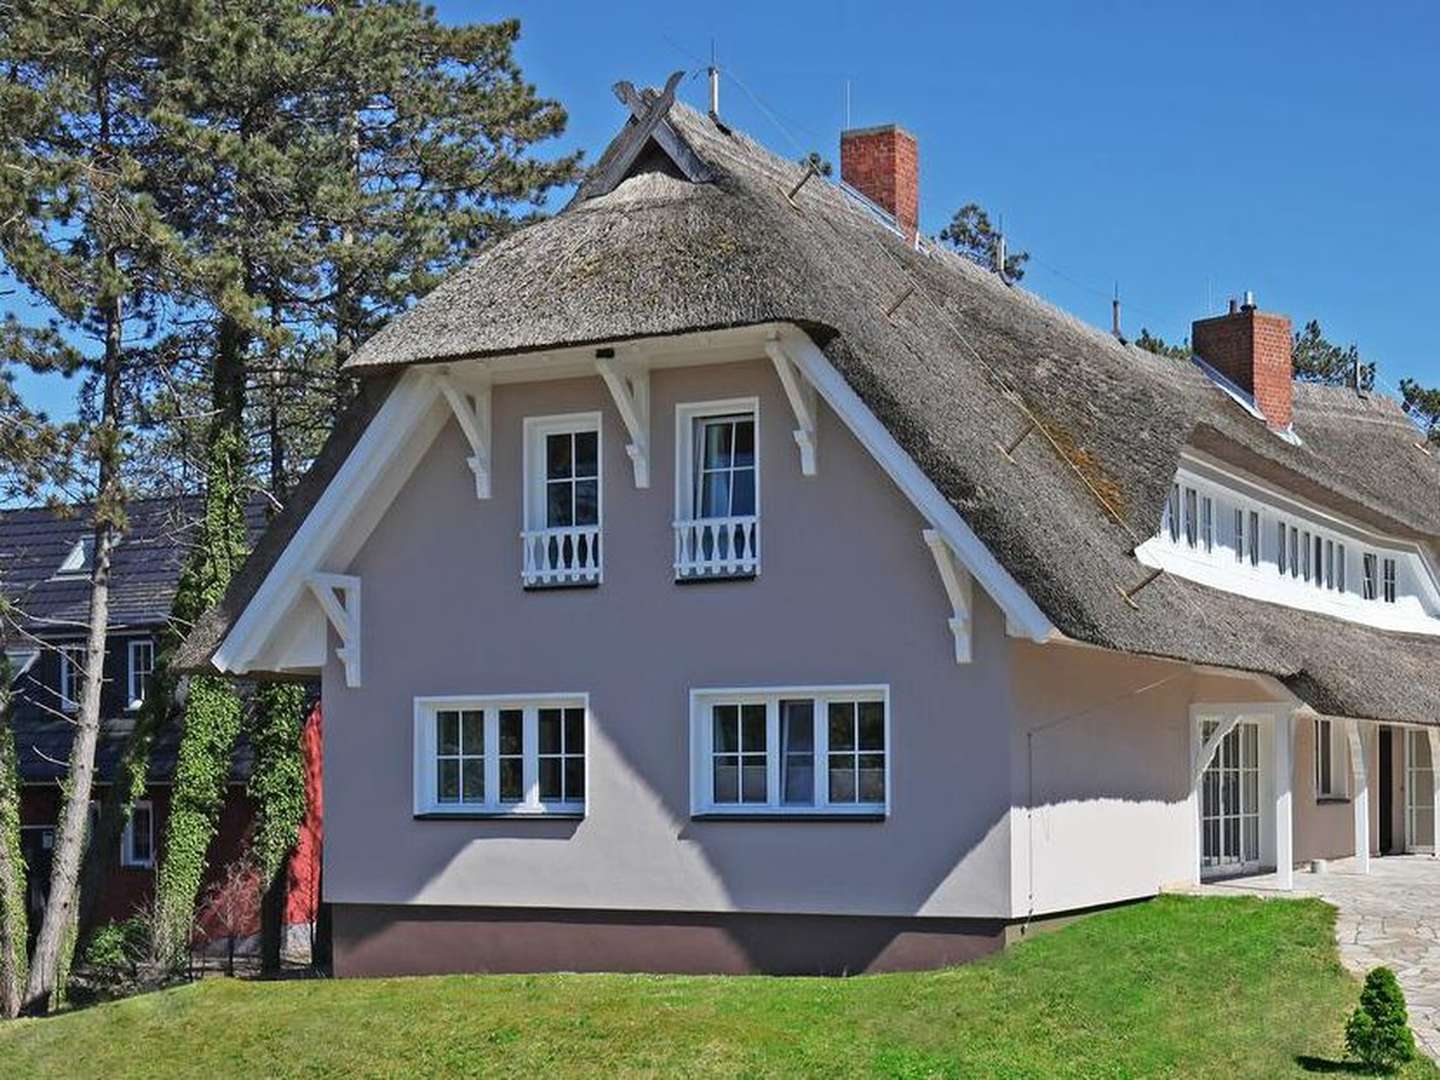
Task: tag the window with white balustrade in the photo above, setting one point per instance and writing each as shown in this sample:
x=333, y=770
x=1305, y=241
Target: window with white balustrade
x=717, y=490
x=560, y=544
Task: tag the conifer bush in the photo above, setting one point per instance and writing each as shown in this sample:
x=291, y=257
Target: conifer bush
x=1378, y=1031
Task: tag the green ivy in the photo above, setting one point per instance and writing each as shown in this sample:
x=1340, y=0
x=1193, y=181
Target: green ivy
x=212, y=710
x=14, y=924
x=277, y=784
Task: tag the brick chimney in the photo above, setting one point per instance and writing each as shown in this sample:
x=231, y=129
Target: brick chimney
x=883, y=164
x=1252, y=349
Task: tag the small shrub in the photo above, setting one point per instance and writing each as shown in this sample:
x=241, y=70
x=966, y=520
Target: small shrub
x=115, y=951
x=1378, y=1031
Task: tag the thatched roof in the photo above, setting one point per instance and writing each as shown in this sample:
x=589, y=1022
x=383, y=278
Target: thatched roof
x=965, y=362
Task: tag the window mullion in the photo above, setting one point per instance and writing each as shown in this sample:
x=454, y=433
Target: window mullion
x=821, y=711
x=773, y=752
x=491, y=721
x=529, y=753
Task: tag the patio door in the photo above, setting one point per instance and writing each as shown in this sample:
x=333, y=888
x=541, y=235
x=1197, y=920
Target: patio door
x=1419, y=792
x=1230, y=802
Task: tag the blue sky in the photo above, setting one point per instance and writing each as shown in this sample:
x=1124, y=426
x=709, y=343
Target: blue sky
x=1187, y=152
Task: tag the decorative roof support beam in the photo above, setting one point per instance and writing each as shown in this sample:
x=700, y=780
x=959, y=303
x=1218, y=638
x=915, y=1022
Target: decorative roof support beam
x=631, y=391
x=339, y=597
x=472, y=410
x=957, y=583
x=801, y=394
x=1207, y=751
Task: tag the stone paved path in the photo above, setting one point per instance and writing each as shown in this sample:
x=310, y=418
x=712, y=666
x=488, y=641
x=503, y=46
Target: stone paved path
x=1390, y=916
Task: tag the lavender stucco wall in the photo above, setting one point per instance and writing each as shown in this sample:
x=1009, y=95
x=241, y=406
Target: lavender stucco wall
x=848, y=593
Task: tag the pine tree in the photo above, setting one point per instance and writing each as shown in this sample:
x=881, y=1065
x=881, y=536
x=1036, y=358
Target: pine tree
x=971, y=234
x=1423, y=405
x=1319, y=360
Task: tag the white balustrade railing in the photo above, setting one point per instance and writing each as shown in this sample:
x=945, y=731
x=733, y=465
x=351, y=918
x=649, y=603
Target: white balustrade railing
x=568, y=556
x=717, y=547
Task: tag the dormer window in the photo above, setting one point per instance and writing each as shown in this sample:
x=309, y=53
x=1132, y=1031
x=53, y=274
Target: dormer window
x=81, y=559
x=1371, y=577
x=1389, y=581
x=717, y=490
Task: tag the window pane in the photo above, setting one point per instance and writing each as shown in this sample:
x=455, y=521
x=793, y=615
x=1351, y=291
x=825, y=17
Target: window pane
x=574, y=779
x=448, y=732
x=715, y=494
x=512, y=782
x=549, y=731
x=472, y=732
x=140, y=834
x=511, y=731
x=717, y=444
x=574, y=731
x=797, y=719
x=742, y=493
x=587, y=502
x=587, y=453
x=727, y=778
x=753, y=719
x=842, y=725
x=448, y=780
x=557, y=456
x=559, y=510
x=473, y=780
x=872, y=725
x=550, y=778
x=799, y=779
x=744, y=443
x=842, y=778
x=753, y=780
x=872, y=778
x=727, y=728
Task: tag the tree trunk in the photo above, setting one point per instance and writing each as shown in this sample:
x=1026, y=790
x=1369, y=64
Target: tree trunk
x=57, y=929
x=14, y=922
x=272, y=920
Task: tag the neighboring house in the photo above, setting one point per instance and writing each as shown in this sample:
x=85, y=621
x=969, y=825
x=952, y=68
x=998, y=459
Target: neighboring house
x=751, y=584
x=45, y=566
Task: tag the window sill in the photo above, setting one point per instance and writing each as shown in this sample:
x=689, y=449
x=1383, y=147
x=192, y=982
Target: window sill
x=500, y=815
x=558, y=586
x=1322, y=799
x=706, y=579
x=781, y=815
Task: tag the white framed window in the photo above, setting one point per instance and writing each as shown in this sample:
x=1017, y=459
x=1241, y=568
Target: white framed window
x=1254, y=538
x=790, y=751
x=1319, y=561
x=137, y=842
x=1192, y=515
x=1207, y=523
x=1295, y=552
x=717, y=489
x=1280, y=561
x=1340, y=568
x=1389, y=581
x=1371, y=576
x=500, y=755
x=1330, y=564
x=562, y=466
x=1239, y=534
x=1172, y=510
x=72, y=676
x=141, y=666
x=1330, y=757
x=80, y=560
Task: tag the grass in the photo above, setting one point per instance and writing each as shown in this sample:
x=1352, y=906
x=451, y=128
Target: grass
x=1178, y=987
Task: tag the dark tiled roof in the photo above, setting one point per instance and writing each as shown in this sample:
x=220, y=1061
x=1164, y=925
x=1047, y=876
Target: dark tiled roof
x=42, y=744
x=146, y=565
x=962, y=364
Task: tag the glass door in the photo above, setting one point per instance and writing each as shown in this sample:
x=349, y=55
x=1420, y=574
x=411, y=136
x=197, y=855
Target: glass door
x=1230, y=801
x=1419, y=792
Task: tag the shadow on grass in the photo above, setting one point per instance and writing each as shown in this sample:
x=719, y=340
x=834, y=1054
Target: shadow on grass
x=1329, y=1065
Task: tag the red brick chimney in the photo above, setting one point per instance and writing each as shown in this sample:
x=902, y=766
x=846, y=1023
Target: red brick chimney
x=1251, y=348
x=883, y=164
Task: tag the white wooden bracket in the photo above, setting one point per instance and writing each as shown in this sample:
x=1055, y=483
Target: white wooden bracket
x=472, y=410
x=958, y=588
x=339, y=597
x=801, y=395
x=1207, y=750
x=631, y=391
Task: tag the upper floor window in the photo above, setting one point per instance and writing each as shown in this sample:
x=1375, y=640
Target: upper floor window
x=141, y=668
x=1389, y=581
x=1192, y=523
x=792, y=751
x=490, y=755
x=137, y=843
x=1371, y=576
x=1254, y=538
x=561, y=540
x=717, y=470
x=80, y=560
x=72, y=676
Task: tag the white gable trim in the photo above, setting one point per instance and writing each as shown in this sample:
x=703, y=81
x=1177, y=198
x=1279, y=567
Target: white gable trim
x=283, y=629
x=1023, y=616
x=277, y=631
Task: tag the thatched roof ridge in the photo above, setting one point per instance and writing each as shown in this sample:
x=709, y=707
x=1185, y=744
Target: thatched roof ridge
x=965, y=362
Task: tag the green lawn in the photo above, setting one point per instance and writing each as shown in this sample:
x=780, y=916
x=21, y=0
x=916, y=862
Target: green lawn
x=1178, y=987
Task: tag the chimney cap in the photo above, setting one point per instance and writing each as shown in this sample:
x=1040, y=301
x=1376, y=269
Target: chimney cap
x=877, y=129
